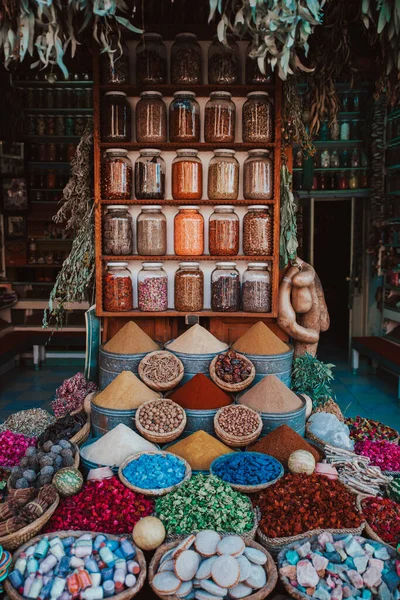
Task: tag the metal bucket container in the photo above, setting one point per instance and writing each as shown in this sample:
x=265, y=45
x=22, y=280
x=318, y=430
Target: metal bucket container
x=200, y=419
x=279, y=365
x=105, y=419
x=193, y=363
x=111, y=365
x=295, y=419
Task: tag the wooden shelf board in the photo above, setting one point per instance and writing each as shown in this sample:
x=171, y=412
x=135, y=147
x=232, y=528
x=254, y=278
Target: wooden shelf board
x=205, y=202
x=175, y=313
x=201, y=90
x=189, y=258
x=61, y=111
x=201, y=146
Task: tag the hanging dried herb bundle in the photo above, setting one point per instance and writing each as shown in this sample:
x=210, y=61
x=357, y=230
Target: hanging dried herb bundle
x=293, y=128
x=75, y=280
x=377, y=197
x=288, y=240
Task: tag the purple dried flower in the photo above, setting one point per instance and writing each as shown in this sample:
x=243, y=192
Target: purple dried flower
x=71, y=394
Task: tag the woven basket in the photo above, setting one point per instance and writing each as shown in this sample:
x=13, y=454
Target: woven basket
x=368, y=529
x=270, y=568
x=125, y=595
x=82, y=435
x=12, y=541
x=246, y=489
x=160, y=438
x=148, y=492
x=233, y=388
x=161, y=387
x=234, y=440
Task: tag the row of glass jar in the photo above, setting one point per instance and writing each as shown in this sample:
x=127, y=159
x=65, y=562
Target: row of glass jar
x=187, y=175
x=52, y=152
x=341, y=180
x=61, y=125
x=223, y=231
x=224, y=66
x=51, y=97
x=352, y=157
x=227, y=293
x=48, y=179
x=184, y=118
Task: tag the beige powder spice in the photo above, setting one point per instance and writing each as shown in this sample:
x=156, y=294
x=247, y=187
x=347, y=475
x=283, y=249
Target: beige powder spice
x=260, y=340
x=271, y=395
x=125, y=392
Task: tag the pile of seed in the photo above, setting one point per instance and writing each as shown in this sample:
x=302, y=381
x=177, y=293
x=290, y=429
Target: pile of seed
x=32, y=422
x=161, y=367
x=238, y=420
x=161, y=416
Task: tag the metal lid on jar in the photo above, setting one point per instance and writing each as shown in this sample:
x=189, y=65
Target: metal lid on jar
x=115, y=93
x=151, y=207
x=224, y=151
x=189, y=207
x=258, y=151
x=117, y=264
x=260, y=93
x=155, y=265
x=116, y=150
x=152, y=34
x=150, y=151
x=258, y=207
x=186, y=34
x=190, y=264
x=225, y=265
x=185, y=93
x=220, y=94
x=187, y=152
x=223, y=207
x=150, y=93
x=116, y=207
x=258, y=265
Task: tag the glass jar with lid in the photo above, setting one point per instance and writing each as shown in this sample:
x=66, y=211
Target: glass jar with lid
x=223, y=231
x=151, y=231
x=223, y=62
x=152, y=287
x=114, y=64
x=257, y=118
x=258, y=175
x=151, y=60
x=151, y=118
x=117, y=175
x=185, y=60
x=256, y=288
x=116, y=118
x=220, y=118
x=189, y=231
x=189, y=287
x=223, y=176
x=225, y=287
x=254, y=76
x=184, y=118
x=257, y=231
x=187, y=175
x=117, y=231
x=150, y=175
x=117, y=287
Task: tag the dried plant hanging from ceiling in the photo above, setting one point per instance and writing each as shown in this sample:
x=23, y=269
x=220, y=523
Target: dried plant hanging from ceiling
x=377, y=196
x=294, y=130
x=47, y=29
x=278, y=29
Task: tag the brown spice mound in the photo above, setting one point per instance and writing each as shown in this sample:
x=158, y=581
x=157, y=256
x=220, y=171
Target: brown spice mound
x=259, y=339
x=125, y=392
x=281, y=442
x=271, y=395
x=130, y=339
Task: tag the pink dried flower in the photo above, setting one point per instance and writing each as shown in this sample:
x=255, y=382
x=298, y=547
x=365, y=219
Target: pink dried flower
x=13, y=447
x=385, y=455
x=71, y=395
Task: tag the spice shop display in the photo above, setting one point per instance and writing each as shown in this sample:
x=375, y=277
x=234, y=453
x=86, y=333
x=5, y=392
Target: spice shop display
x=117, y=287
x=220, y=118
x=114, y=68
x=200, y=393
x=189, y=287
x=362, y=429
x=223, y=231
x=258, y=176
x=115, y=446
x=258, y=231
x=225, y=287
x=382, y=454
x=231, y=368
x=151, y=231
x=187, y=175
x=223, y=62
x=247, y=470
x=260, y=340
x=21, y=509
x=184, y=118
x=257, y=118
x=185, y=60
x=117, y=175
x=64, y=428
x=223, y=176
x=148, y=533
x=383, y=517
x=125, y=392
x=151, y=60
x=152, y=288
x=161, y=370
x=256, y=288
x=70, y=397
x=131, y=339
x=212, y=504
x=117, y=231
x=197, y=340
x=199, y=449
x=13, y=447
x=189, y=231
x=32, y=422
x=271, y=395
x=116, y=121
x=160, y=420
x=237, y=426
x=150, y=175
x=281, y=443
x=151, y=118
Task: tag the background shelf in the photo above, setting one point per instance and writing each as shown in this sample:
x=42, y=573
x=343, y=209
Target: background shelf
x=201, y=146
x=206, y=202
x=201, y=90
x=174, y=313
x=175, y=257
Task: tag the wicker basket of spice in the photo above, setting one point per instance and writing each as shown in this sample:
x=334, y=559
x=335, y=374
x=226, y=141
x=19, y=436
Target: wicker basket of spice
x=232, y=372
x=161, y=420
x=161, y=370
x=371, y=533
x=230, y=422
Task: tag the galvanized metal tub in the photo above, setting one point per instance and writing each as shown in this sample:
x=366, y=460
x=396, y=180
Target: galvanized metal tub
x=275, y=364
x=295, y=419
x=193, y=363
x=200, y=419
x=105, y=419
x=111, y=365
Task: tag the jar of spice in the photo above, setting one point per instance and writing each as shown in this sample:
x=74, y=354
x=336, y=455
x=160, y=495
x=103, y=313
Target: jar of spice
x=117, y=231
x=51, y=181
x=151, y=231
x=152, y=288
x=151, y=60
x=114, y=64
x=51, y=153
x=258, y=176
x=117, y=175
x=187, y=175
x=223, y=231
x=151, y=118
x=225, y=287
x=257, y=231
x=223, y=63
x=185, y=60
x=353, y=180
x=220, y=118
x=117, y=287
x=256, y=288
x=184, y=118
x=257, y=118
x=71, y=149
x=116, y=118
x=69, y=125
x=40, y=125
x=189, y=231
x=223, y=176
x=189, y=287
x=60, y=125
x=150, y=175
x=79, y=125
x=253, y=74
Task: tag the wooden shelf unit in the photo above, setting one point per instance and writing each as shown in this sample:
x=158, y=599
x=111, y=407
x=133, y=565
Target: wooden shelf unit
x=99, y=147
